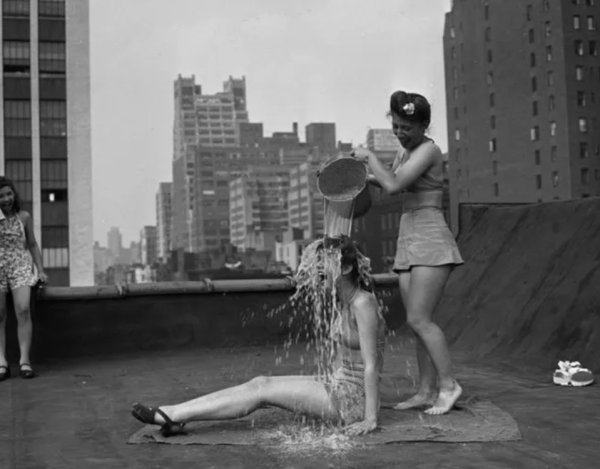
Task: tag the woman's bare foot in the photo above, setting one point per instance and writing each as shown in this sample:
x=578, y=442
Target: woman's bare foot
x=418, y=400
x=446, y=400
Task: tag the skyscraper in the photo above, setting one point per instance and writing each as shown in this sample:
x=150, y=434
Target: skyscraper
x=163, y=220
x=523, y=100
x=45, y=119
x=322, y=136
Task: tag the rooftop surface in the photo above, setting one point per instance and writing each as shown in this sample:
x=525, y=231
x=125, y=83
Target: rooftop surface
x=76, y=413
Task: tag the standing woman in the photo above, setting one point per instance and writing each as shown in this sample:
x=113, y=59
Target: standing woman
x=19, y=252
x=426, y=251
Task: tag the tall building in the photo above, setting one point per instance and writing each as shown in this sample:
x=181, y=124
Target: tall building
x=259, y=207
x=200, y=120
x=148, y=245
x=163, y=219
x=45, y=123
x=322, y=136
x=523, y=100
x=305, y=203
x=114, y=242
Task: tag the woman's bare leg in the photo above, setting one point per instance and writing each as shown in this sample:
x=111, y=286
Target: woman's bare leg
x=301, y=394
x=427, y=390
x=3, y=312
x=22, y=304
x=425, y=291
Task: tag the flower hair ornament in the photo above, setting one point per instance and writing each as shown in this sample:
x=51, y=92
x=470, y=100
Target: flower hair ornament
x=409, y=109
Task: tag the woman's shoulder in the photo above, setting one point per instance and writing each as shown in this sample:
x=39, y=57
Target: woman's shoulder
x=364, y=301
x=23, y=215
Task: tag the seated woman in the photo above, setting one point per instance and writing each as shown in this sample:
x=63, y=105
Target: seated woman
x=349, y=396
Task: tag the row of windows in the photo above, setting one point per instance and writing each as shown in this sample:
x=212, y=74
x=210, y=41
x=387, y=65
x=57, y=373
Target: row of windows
x=51, y=88
x=55, y=236
x=46, y=8
x=55, y=257
x=590, y=22
x=19, y=148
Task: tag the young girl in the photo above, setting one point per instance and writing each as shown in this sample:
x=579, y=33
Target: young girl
x=426, y=251
x=19, y=252
x=349, y=396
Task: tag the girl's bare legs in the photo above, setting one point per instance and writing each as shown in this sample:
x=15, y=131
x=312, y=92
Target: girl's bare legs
x=425, y=291
x=21, y=300
x=3, y=312
x=427, y=390
x=302, y=394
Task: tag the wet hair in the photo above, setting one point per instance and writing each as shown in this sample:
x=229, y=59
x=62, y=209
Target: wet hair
x=412, y=107
x=351, y=256
x=5, y=182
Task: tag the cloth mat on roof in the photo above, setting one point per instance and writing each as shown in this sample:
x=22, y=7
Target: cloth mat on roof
x=471, y=421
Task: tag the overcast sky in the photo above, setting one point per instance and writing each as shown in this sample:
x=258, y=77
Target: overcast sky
x=304, y=61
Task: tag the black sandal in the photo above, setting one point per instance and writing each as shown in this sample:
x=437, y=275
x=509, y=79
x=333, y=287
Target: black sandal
x=26, y=373
x=4, y=372
x=147, y=415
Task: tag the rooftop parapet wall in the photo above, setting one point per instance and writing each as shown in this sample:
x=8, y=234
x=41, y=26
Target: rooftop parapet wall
x=530, y=285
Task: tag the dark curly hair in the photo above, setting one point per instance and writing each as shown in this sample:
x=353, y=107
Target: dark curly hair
x=5, y=182
x=421, y=113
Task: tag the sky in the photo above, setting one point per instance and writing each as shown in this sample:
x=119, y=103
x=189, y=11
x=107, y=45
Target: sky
x=304, y=61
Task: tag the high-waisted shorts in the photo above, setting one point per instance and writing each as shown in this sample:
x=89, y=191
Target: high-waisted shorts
x=425, y=239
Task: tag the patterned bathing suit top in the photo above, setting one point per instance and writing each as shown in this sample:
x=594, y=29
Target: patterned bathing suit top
x=12, y=234
x=431, y=180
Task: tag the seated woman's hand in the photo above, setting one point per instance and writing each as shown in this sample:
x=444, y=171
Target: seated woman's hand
x=360, y=428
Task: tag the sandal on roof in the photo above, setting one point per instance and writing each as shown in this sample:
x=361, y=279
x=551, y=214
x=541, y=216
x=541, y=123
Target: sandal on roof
x=26, y=373
x=147, y=415
x=4, y=372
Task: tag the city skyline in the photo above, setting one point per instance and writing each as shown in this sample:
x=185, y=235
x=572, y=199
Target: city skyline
x=347, y=58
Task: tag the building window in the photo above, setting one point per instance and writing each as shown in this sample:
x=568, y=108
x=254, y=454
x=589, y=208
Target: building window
x=53, y=118
x=593, y=48
x=16, y=56
x=528, y=16
x=492, y=100
x=582, y=125
x=534, y=133
x=576, y=22
x=492, y=122
x=52, y=57
x=457, y=155
x=15, y=8
x=486, y=11
x=550, y=78
x=581, y=98
x=591, y=23
x=583, y=150
x=496, y=190
x=457, y=135
x=538, y=158
x=555, y=178
x=585, y=176
x=548, y=53
x=551, y=103
x=538, y=181
x=547, y=29
x=578, y=47
x=579, y=73
x=534, y=108
x=490, y=78
x=553, y=153
x=17, y=118
x=546, y=5
x=488, y=35
x=532, y=59
x=552, y=129
x=52, y=8
x=495, y=168
x=489, y=55
x=492, y=145
x=533, y=84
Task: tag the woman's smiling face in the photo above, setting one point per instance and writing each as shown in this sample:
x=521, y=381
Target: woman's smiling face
x=410, y=134
x=7, y=198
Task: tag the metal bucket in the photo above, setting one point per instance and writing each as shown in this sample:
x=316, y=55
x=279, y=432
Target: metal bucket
x=342, y=179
